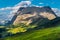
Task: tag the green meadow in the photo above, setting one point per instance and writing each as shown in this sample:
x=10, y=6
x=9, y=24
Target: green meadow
x=49, y=31
x=52, y=33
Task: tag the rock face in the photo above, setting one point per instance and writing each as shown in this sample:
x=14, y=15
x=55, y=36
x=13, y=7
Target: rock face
x=29, y=15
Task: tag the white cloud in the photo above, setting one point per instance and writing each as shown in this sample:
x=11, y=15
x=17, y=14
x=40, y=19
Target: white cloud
x=57, y=11
x=17, y=6
x=7, y=8
x=22, y=3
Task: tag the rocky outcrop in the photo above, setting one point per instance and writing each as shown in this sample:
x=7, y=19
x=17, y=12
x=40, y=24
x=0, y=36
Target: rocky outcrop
x=29, y=15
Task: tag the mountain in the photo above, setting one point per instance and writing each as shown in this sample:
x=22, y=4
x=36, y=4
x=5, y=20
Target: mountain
x=31, y=15
x=40, y=16
x=11, y=13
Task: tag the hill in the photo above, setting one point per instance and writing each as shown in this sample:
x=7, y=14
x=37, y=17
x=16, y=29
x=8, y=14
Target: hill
x=52, y=33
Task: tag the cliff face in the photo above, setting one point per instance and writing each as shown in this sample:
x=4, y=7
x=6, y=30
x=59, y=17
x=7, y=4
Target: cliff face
x=28, y=15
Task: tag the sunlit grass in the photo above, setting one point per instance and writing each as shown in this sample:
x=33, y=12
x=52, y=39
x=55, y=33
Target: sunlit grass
x=17, y=30
x=41, y=34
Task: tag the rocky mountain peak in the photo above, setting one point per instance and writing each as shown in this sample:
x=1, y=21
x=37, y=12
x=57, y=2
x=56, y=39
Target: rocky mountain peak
x=28, y=15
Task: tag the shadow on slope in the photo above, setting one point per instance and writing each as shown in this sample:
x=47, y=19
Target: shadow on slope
x=49, y=24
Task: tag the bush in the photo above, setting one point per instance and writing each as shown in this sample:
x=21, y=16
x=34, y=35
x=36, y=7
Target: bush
x=17, y=30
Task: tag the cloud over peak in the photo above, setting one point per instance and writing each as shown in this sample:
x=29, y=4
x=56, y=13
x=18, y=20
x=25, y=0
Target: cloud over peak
x=15, y=8
x=22, y=3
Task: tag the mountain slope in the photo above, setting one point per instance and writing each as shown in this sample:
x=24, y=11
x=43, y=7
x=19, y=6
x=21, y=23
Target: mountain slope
x=41, y=34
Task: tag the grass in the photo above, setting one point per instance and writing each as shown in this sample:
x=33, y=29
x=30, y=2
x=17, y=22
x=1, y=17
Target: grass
x=52, y=33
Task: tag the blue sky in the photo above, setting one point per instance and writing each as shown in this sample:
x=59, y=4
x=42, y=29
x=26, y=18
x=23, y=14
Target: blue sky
x=7, y=3
x=6, y=6
x=51, y=3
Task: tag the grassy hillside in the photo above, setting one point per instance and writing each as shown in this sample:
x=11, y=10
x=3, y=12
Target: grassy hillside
x=47, y=31
x=52, y=33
